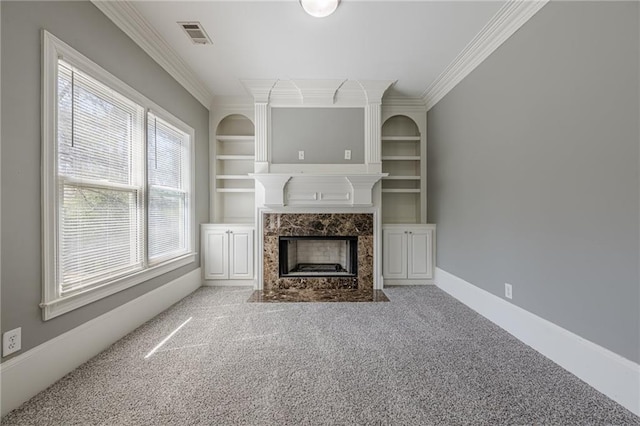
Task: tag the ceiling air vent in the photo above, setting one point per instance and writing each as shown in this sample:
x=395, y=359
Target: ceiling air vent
x=195, y=32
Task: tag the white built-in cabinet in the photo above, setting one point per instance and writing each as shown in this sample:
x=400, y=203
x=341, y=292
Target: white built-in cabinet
x=227, y=254
x=407, y=242
x=228, y=241
x=408, y=255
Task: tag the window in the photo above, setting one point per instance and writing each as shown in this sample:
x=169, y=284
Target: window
x=168, y=171
x=118, y=174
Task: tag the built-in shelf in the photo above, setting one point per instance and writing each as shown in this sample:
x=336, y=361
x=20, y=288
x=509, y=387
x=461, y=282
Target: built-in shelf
x=401, y=190
x=235, y=190
x=235, y=138
x=401, y=138
x=234, y=177
x=400, y=158
x=236, y=157
x=401, y=178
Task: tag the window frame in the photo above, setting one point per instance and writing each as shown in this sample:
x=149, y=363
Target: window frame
x=53, y=302
x=188, y=190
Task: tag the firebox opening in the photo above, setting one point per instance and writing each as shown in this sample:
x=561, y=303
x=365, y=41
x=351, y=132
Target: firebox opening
x=328, y=256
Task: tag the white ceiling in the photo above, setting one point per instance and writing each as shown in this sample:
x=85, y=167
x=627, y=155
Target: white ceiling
x=409, y=41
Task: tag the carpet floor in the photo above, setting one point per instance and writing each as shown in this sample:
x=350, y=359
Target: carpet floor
x=421, y=359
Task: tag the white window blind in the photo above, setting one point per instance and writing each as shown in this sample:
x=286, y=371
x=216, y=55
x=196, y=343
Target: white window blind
x=100, y=181
x=168, y=153
x=117, y=205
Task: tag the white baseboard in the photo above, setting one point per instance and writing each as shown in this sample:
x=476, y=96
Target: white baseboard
x=609, y=373
x=24, y=376
x=229, y=283
x=390, y=282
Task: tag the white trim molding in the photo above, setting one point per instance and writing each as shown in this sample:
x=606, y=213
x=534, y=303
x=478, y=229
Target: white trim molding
x=322, y=189
x=513, y=15
x=24, y=376
x=260, y=89
x=318, y=92
x=54, y=302
x=607, y=372
x=314, y=93
x=132, y=23
x=411, y=104
x=372, y=136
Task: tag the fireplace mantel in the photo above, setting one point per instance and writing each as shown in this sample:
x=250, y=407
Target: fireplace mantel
x=317, y=189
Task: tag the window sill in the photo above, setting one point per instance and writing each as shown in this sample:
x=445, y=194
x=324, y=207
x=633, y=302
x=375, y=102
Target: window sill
x=57, y=307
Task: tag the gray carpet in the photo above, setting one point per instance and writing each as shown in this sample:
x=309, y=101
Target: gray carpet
x=422, y=359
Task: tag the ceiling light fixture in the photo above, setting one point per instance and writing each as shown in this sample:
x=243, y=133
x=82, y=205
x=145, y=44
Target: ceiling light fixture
x=319, y=8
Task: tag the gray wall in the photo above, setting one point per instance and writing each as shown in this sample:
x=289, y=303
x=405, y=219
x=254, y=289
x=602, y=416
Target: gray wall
x=85, y=28
x=534, y=172
x=322, y=133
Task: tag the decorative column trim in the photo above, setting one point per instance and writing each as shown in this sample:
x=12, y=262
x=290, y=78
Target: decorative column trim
x=372, y=134
x=363, y=188
x=373, y=90
x=273, y=185
x=261, y=132
x=261, y=92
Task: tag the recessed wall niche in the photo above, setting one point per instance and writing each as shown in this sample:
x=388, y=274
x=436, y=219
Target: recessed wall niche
x=234, y=159
x=403, y=157
x=322, y=133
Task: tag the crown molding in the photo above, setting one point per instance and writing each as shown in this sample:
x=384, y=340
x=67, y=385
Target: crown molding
x=318, y=92
x=411, y=103
x=513, y=15
x=232, y=101
x=260, y=89
x=133, y=24
x=374, y=89
x=324, y=93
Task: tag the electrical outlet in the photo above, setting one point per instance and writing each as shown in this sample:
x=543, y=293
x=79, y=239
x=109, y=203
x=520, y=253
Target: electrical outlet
x=508, y=291
x=347, y=154
x=300, y=155
x=11, y=341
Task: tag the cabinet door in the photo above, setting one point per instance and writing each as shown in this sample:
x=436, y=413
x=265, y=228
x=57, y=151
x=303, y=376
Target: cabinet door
x=420, y=254
x=241, y=254
x=394, y=253
x=216, y=254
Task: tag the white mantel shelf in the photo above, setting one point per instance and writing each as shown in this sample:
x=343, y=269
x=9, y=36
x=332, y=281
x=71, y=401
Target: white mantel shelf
x=317, y=189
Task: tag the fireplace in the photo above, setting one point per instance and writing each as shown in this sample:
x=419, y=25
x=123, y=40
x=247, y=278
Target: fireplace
x=317, y=251
x=318, y=256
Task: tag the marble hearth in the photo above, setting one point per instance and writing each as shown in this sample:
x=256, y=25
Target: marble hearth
x=310, y=295
x=358, y=225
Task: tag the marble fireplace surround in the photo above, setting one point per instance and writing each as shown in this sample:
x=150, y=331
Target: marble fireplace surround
x=360, y=225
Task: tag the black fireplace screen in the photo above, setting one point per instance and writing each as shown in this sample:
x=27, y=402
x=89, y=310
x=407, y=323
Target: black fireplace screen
x=327, y=256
